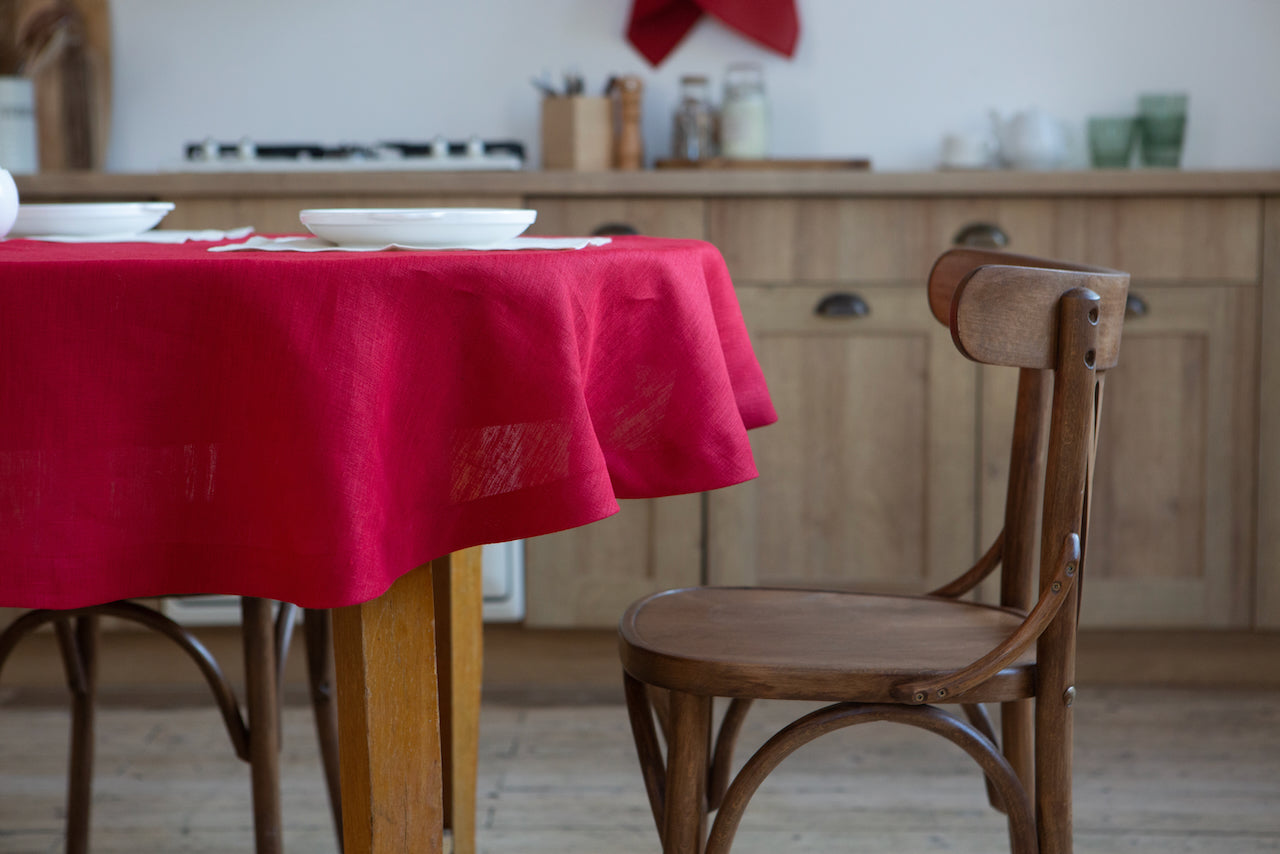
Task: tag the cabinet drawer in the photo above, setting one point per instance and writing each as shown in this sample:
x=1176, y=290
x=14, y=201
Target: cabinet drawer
x=897, y=240
x=655, y=217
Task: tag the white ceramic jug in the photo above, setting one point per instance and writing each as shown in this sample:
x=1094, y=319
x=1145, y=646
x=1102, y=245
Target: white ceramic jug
x=1032, y=139
x=8, y=202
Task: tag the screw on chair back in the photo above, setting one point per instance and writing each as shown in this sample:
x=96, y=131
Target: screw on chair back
x=902, y=658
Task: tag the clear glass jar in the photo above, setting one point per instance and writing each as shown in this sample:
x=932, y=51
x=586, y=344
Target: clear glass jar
x=744, y=114
x=693, y=129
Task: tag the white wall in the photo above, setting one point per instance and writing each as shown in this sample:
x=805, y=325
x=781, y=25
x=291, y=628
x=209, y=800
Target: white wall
x=870, y=77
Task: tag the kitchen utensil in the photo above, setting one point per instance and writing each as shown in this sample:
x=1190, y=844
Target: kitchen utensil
x=428, y=227
x=693, y=126
x=89, y=219
x=628, y=144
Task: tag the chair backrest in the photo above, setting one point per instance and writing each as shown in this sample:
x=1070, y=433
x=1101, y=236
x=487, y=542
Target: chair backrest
x=1060, y=325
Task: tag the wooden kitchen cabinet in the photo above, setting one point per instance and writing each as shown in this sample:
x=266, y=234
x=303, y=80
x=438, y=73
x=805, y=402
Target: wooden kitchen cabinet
x=560, y=215
x=866, y=481
x=870, y=478
x=588, y=576
x=1172, y=530
x=1172, y=524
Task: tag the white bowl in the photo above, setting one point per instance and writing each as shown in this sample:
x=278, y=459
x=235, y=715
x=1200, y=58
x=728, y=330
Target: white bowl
x=434, y=228
x=88, y=220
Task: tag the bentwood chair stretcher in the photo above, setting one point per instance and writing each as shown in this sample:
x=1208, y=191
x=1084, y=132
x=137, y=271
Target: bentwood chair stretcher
x=309, y=428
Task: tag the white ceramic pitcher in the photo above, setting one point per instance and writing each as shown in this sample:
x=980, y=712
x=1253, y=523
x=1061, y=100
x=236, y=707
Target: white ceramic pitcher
x=1032, y=139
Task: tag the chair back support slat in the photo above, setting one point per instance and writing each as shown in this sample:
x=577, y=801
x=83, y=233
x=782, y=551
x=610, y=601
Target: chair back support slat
x=1025, y=487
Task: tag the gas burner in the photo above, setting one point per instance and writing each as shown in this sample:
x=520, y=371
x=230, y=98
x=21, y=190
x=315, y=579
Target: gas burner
x=211, y=155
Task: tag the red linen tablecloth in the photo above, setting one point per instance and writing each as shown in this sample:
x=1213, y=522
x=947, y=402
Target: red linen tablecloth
x=308, y=427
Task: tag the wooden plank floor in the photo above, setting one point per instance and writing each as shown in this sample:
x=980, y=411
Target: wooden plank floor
x=1158, y=770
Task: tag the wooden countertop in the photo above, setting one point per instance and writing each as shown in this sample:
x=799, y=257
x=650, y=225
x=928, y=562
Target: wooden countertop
x=666, y=182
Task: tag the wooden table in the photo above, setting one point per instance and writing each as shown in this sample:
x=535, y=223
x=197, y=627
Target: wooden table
x=311, y=428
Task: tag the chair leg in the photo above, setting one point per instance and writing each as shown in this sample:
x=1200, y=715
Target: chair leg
x=1017, y=725
x=317, y=628
x=264, y=717
x=1055, y=694
x=459, y=613
x=688, y=758
x=640, y=713
x=80, y=656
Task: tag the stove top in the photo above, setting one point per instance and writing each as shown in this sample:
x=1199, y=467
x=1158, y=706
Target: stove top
x=246, y=155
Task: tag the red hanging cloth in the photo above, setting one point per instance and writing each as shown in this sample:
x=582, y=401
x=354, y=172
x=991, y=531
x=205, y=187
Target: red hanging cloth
x=657, y=26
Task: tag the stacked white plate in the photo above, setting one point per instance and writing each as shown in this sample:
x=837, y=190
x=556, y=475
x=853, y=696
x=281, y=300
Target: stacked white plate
x=88, y=220
x=430, y=228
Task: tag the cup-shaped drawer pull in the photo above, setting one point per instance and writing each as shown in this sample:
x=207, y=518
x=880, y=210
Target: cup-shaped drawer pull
x=842, y=304
x=611, y=229
x=981, y=235
x=1135, y=306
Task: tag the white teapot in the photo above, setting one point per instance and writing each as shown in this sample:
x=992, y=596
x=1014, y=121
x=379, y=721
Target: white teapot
x=1032, y=139
x=8, y=202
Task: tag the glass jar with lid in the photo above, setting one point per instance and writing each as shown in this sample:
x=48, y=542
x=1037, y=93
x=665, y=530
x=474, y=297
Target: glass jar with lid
x=744, y=113
x=693, y=129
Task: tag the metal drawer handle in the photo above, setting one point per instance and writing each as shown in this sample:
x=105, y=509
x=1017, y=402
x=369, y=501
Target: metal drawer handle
x=1135, y=306
x=609, y=229
x=981, y=235
x=842, y=305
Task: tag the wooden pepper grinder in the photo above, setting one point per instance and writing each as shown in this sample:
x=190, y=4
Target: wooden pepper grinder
x=628, y=145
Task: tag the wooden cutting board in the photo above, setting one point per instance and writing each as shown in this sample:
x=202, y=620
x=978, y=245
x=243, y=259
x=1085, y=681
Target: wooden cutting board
x=771, y=163
x=73, y=88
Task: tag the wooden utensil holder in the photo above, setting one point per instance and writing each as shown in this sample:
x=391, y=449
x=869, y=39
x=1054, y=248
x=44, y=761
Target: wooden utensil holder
x=577, y=133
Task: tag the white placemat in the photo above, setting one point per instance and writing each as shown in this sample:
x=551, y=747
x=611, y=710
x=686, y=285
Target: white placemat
x=157, y=235
x=315, y=244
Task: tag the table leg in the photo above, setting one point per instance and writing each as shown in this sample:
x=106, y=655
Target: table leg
x=459, y=601
x=389, y=719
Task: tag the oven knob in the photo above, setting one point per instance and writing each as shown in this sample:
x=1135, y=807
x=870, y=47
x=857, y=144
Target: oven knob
x=475, y=147
x=246, y=149
x=439, y=147
x=209, y=148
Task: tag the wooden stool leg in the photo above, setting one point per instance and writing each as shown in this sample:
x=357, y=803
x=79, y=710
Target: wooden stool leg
x=263, y=703
x=81, y=652
x=317, y=627
x=688, y=756
x=459, y=605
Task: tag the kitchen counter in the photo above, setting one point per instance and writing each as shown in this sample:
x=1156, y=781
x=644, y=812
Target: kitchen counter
x=62, y=186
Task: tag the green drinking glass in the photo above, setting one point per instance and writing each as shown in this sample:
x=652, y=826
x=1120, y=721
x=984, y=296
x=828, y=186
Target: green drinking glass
x=1162, y=122
x=1111, y=141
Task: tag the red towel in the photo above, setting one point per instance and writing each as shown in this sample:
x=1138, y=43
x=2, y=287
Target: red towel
x=657, y=26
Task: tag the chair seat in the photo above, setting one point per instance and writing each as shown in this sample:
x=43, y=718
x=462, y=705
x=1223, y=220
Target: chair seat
x=790, y=644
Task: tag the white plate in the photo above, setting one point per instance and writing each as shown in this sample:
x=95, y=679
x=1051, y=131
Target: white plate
x=435, y=228
x=88, y=220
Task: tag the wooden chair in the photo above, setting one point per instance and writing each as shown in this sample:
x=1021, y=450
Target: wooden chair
x=255, y=732
x=901, y=658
